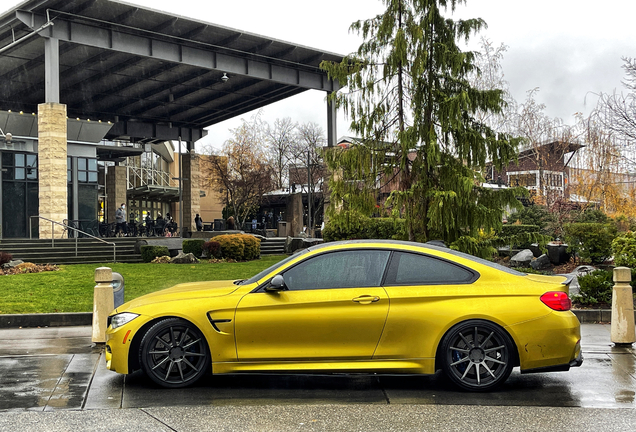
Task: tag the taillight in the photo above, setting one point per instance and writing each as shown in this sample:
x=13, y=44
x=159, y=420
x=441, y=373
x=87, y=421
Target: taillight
x=557, y=300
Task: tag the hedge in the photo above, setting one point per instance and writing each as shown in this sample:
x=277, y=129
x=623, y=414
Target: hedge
x=148, y=253
x=353, y=226
x=193, y=246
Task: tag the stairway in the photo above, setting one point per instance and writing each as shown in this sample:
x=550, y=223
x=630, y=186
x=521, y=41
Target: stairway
x=89, y=251
x=273, y=246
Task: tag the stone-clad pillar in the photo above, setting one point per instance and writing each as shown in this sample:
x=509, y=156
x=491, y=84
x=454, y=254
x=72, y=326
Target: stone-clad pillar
x=294, y=213
x=115, y=191
x=52, y=153
x=191, y=188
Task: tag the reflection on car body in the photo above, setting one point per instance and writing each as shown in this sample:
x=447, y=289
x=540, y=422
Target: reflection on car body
x=358, y=306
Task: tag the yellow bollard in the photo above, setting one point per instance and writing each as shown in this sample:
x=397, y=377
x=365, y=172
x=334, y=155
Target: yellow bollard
x=622, y=308
x=103, y=303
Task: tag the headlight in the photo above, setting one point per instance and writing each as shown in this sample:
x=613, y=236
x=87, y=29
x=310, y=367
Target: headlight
x=122, y=318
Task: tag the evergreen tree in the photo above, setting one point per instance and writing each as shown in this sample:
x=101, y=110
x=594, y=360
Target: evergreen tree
x=410, y=100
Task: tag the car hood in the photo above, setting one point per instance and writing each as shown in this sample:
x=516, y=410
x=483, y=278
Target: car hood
x=185, y=291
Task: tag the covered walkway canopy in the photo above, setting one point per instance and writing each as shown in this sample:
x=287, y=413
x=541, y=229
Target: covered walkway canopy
x=155, y=76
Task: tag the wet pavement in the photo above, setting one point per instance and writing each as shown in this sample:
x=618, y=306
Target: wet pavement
x=52, y=369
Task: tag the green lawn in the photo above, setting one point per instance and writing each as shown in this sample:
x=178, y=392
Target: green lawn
x=71, y=288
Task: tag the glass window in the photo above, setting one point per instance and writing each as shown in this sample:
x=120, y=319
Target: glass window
x=20, y=174
x=415, y=269
x=345, y=269
x=81, y=164
x=31, y=160
x=19, y=160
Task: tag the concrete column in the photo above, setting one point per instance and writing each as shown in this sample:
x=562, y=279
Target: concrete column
x=115, y=190
x=191, y=188
x=294, y=214
x=622, y=329
x=52, y=153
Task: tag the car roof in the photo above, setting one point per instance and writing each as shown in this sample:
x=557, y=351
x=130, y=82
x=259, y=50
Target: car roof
x=446, y=250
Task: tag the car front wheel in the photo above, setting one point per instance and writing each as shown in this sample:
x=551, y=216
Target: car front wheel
x=477, y=355
x=174, y=353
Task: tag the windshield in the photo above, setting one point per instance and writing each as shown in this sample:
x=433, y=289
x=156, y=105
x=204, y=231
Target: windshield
x=268, y=270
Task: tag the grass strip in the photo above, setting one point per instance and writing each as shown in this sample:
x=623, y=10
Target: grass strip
x=71, y=288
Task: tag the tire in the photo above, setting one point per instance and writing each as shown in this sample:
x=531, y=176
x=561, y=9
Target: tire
x=479, y=366
x=174, y=353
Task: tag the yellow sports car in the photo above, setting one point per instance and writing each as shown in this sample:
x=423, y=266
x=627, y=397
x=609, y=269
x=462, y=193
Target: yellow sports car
x=368, y=306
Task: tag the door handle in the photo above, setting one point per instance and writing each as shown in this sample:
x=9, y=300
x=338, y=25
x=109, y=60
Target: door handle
x=366, y=299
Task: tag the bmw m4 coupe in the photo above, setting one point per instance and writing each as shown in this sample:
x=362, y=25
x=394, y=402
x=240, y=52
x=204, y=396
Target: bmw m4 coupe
x=368, y=306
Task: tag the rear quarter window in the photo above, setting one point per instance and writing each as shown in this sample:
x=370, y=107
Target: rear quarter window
x=417, y=269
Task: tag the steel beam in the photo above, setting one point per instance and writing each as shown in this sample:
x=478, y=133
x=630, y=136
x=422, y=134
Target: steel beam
x=197, y=54
x=51, y=70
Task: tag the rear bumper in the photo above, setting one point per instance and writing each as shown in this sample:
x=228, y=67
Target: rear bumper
x=578, y=361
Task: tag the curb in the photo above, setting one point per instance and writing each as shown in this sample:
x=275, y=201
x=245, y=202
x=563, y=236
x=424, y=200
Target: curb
x=585, y=316
x=46, y=320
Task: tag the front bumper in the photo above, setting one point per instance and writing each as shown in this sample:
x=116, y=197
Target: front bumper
x=118, y=344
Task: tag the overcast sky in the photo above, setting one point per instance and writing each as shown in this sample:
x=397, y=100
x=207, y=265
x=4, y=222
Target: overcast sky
x=569, y=49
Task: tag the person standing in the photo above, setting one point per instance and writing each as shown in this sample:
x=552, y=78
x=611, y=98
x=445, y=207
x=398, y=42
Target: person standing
x=198, y=222
x=120, y=218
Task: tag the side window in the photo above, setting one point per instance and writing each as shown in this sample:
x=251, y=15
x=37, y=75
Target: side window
x=345, y=269
x=415, y=269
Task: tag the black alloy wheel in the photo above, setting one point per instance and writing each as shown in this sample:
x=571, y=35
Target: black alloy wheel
x=477, y=355
x=174, y=353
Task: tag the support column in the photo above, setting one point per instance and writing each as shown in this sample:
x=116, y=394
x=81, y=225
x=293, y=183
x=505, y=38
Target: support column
x=332, y=129
x=52, y=151
x=191, y=188
x=294, y=214
x=115, y=190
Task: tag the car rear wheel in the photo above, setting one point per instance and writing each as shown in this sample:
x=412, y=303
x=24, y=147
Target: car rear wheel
x=477, y=355
x=174, y=353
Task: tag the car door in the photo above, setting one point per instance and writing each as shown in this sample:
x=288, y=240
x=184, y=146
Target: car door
x=426, y=293
x=334, y=308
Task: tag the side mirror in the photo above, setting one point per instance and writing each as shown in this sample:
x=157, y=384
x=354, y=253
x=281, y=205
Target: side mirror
x=276, y=284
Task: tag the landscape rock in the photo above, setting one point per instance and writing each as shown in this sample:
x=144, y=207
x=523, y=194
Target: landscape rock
x=522, y=259
x=12, y=263
x=184, y=259
x=541, y=263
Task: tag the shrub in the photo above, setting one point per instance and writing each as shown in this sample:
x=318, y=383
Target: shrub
x=591, y=216
x=533, y=214
x=252, y=247
x=591, y=241
x=212, y=249
x=232, y=246
x=351, y=225
x=148, y=253
x=522, y=236
x=193, y=246
x=596, y=287
x=5, y=257
x=624, y=250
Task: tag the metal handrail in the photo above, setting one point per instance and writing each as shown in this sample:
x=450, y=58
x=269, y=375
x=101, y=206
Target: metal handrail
x=74, y=229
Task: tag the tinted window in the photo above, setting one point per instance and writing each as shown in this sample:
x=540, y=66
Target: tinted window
x=345, y=269
x=414, y=269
